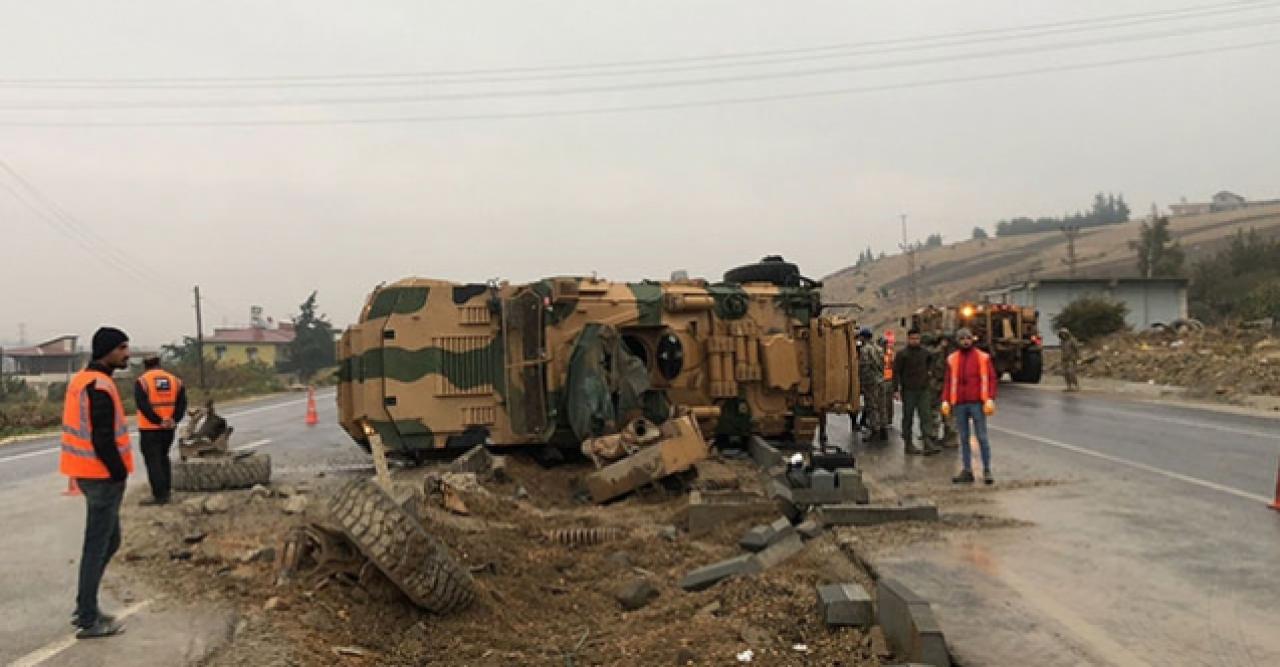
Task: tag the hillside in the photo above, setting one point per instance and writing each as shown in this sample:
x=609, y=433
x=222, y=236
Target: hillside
x=957, y=272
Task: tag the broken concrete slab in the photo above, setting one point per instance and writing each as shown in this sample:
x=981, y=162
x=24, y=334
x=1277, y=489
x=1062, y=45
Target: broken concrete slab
x=760, y=537
x=710, y=509
x=784, y=499
x=810, y=528
x=764, y=454
x=709, y=575
x=476, y=460
x=779, y=552
x=909, y=624
x=871, y=515
x=845, y=605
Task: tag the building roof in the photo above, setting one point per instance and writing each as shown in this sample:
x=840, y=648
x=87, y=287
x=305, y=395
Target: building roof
x=1181, y=282
x=49, y=348
x=251, y=335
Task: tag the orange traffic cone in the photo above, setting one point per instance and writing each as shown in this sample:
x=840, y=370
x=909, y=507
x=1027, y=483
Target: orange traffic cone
x=1275, y=503
x=73, y=489
x=311, y=407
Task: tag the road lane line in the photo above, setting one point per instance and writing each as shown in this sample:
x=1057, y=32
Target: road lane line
x=1173, y=420
x=253, y=445
x=134, y=433
x=1134, y=464
x=57, y=646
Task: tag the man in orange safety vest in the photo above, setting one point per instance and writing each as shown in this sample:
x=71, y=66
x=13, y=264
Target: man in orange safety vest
x=96, y=454
x=969, y=390
x=162, y=401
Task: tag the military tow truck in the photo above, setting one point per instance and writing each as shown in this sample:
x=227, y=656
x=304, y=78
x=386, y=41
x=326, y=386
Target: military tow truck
x=1009, y=333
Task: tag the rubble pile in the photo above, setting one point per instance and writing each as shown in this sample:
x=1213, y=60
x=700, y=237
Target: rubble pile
x=1224, y=362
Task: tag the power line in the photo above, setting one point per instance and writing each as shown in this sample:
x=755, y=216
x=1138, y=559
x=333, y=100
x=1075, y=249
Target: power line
x=640, y=86
x=660, y=106
x=711, y=60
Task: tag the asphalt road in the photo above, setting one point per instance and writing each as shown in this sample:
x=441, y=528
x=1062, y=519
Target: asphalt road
x=1151, y=545
x=43, y=532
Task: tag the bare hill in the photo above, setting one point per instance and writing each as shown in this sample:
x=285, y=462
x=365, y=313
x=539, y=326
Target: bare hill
x=957, y=272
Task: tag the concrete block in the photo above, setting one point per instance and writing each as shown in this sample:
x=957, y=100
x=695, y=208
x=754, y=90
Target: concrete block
x=711, y=509
x=779, y=552
x=831, y=459
x=810, y=529
x=851, y=486
x=845, y=605
x=709, y=575
x=871, y=515
x=764, y=454
x=476, y=460
x=909, y=625
x=822, y=481
x=784, y=499
x=760, y=537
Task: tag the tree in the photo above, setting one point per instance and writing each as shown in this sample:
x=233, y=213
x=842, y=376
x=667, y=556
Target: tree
x=312, y=345
x=1090, y=317
x=933, y=241
x=186, y=353
x=980, y=234
x=1158, y=254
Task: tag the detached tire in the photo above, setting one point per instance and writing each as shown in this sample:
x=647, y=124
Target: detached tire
x=221, y=473
x=1032, y=367
x=772, y=269
x=417, y=563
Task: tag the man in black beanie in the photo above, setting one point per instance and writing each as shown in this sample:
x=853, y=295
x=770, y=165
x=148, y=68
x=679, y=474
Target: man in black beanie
x=97, y=454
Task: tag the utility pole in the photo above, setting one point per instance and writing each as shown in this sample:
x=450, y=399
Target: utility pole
x=200, y=337
x=910, y=252
x=1071, y=232
x=22, y=333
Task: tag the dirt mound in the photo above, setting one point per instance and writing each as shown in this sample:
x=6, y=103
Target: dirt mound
x=539, y=600
x=1227, y=362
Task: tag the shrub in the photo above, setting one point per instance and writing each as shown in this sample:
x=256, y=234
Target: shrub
x=1090, y=317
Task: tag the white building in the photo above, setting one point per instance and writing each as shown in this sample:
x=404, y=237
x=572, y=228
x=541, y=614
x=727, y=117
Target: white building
x=1150, y=300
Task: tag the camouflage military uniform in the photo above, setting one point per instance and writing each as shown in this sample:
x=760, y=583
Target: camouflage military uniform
x=1070, y=359
x=937, y=373
x=871, y=377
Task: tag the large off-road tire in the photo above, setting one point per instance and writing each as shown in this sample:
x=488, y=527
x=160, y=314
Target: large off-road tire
x=772, y=269
x=1032, y=367
x=221, y=472
x=417, y=563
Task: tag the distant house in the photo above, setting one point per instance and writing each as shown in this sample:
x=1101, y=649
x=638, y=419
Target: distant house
x=1223, y=201
x=58, y=357
x=1150, y=300
x=252, y=344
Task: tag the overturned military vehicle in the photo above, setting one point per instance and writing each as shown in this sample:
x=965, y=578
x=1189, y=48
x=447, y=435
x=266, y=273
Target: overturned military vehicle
x=433, y=365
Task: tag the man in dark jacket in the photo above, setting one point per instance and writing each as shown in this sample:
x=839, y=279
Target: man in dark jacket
x=911, y=384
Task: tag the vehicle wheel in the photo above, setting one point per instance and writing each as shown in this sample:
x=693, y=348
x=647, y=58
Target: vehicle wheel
x=417, y=563
x=220, y=473
x=773, y=270
x=1032, y=367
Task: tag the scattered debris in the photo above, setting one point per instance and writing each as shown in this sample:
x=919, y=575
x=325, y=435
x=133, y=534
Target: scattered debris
x=275, y=604
x=709, y=575
x=452, y=500
x=643, y=454
x=760, y=537
x=669, y=533
x=195, y=537
x=585, y=537
x=260, y=491
x=870, y=515
x=217, y=504
x=845, y=605
x=635, y=594
x=295, y=505
x=350, y=651
x=909, y=625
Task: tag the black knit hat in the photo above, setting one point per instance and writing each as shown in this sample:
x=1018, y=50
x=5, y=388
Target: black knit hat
x=107, y=339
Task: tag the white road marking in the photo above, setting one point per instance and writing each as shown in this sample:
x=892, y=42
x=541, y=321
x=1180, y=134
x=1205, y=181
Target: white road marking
x=253, y=445
x=59, y=645
x=1134, y=464
x=1191, y=423
x=134, y=433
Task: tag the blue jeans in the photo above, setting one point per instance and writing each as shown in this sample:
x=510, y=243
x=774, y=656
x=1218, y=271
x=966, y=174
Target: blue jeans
x=101, y=541
x=964, y=412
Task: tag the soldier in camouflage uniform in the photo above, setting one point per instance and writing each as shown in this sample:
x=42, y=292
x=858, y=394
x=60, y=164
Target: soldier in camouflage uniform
x=1070, y=358
x=940, y=347
x=871, y=377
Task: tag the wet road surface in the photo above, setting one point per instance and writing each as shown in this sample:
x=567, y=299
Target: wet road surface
x=1154, y=547
x=43, y=529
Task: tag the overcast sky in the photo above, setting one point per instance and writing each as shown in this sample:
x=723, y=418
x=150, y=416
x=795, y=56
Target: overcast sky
x=263, y=214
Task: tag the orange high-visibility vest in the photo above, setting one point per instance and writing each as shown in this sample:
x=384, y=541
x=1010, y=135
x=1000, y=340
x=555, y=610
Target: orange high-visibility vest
x=985, y=372
x=162, y=391
x=78, y=458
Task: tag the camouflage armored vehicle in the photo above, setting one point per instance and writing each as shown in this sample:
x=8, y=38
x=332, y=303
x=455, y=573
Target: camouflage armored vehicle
x=1009, y=333
x=433, y=365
